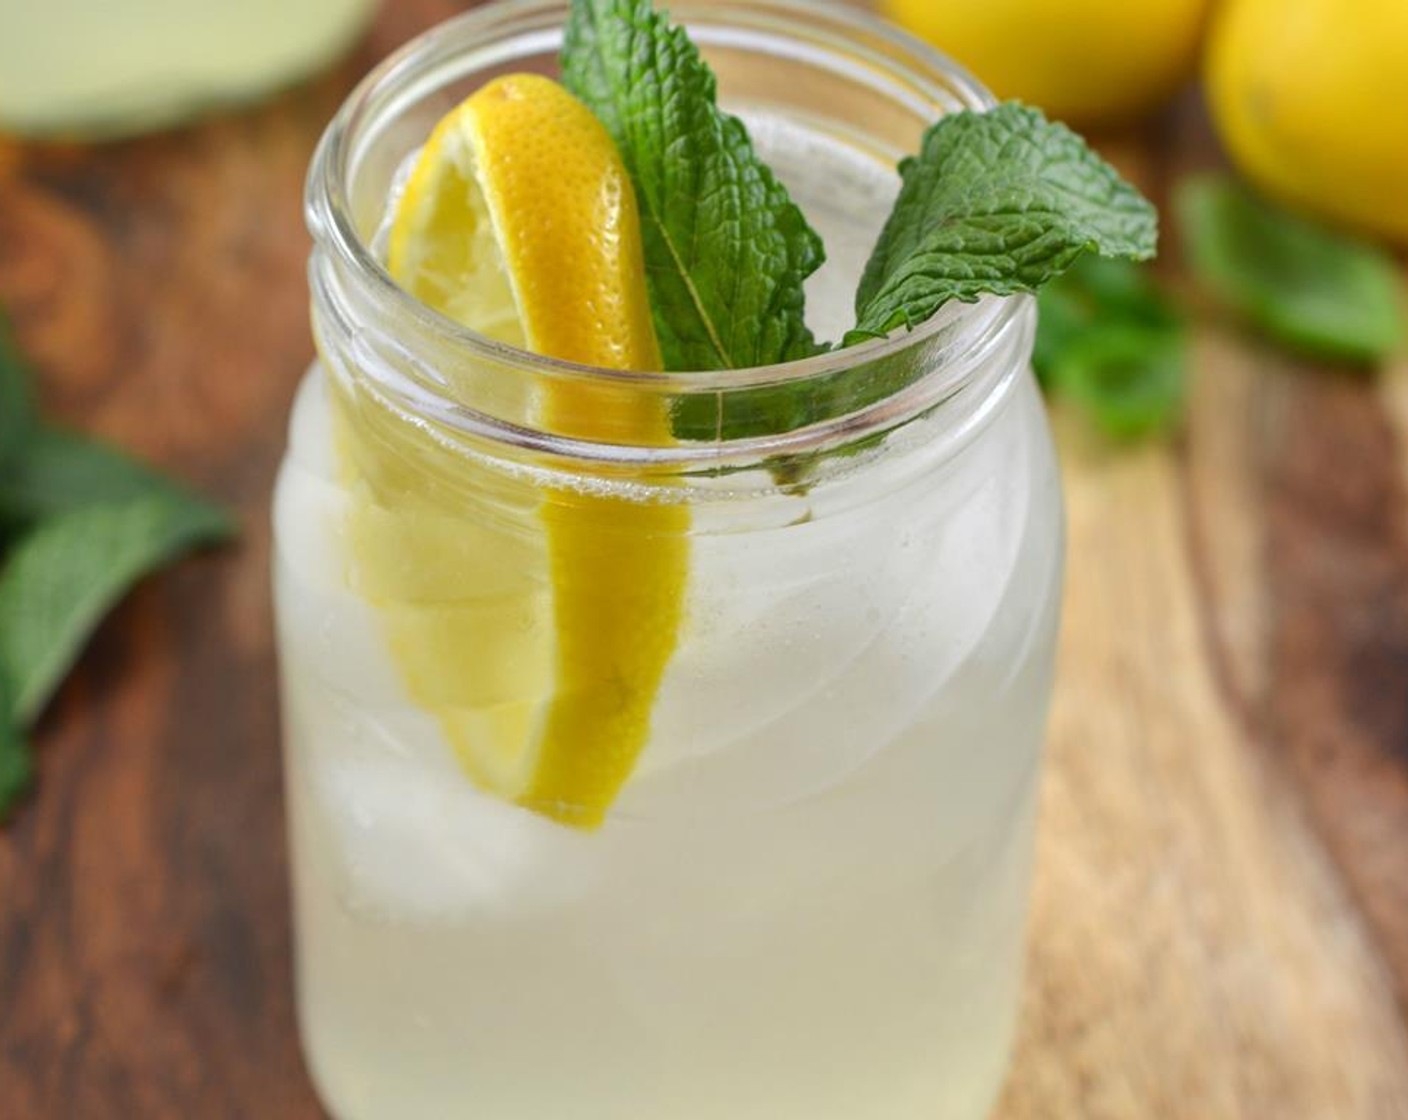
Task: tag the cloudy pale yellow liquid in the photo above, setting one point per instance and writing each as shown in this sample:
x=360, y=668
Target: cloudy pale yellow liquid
x=809, y=902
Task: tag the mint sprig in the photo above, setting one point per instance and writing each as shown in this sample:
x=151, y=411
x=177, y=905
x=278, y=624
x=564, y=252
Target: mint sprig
x=726, y=249
x=997, y=202
x=1130, y=381
x=1316, y=291
x=80, y=523
x=16, y=766
x=1112, y=342
x=66, y=574
x=62, y=470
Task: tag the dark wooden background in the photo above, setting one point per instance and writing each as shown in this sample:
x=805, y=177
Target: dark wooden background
x=1221, y=921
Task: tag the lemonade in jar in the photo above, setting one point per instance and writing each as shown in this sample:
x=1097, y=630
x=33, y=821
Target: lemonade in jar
x=664, y=687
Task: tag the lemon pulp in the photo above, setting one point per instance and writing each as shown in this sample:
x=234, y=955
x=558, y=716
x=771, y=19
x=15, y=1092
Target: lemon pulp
x=535, y=629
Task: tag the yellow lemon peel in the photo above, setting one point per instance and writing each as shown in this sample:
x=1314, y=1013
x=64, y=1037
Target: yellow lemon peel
x=539, y=650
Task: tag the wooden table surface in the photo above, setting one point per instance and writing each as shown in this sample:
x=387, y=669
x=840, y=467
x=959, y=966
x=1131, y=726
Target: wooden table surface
x=1221, y=915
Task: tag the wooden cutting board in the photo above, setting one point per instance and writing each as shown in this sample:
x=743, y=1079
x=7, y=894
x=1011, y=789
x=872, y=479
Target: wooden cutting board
x=1221, y=916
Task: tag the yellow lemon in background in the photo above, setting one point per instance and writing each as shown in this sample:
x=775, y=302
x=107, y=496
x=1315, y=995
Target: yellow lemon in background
x=1084, y=61
x=1311, y=100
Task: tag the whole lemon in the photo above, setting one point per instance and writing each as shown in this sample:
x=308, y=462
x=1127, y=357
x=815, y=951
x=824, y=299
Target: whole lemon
x=1085, y=61
x=1311, y=101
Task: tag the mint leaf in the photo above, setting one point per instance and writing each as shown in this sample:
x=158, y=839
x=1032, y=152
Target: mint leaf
x=91, y=521
x=996, y=203
x=17, y=413
x=1109, y=339
x=62, y=471
x=16, y=767
x=726, y=249
x=1318, y=292
x=63, y=576
x=1061, y=319
x=1128, y=378
x=1097, y=292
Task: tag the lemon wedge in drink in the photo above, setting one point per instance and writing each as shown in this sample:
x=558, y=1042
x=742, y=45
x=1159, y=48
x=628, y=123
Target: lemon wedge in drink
x=534, y=624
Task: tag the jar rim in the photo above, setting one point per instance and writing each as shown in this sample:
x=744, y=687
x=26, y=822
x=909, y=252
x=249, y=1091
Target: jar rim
x=954, y=340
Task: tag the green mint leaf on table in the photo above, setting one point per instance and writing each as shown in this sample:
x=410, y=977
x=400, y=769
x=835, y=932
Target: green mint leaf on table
x=16, y=769
x=64, y=576
x=62, y=471
x=1315, y=291
x=727, y=252
x=16, y=766
x=80, y=523
x=1094, y=292
x=996, y=203
x=1111, y=341
x=1128, y=379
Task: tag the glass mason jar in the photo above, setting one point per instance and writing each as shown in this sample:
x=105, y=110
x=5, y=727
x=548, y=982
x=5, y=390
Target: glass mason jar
x=119, y=66
x=808, y=900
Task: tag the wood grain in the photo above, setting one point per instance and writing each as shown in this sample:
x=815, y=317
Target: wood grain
x=1221, y=916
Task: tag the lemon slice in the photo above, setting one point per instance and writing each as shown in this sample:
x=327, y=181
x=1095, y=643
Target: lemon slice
x=536, y=631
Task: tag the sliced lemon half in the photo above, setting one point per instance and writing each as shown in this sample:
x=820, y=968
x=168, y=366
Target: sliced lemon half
x=537, y=634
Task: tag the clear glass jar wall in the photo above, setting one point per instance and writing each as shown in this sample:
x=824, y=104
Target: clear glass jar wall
x=118, y=66
x=809, y=899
